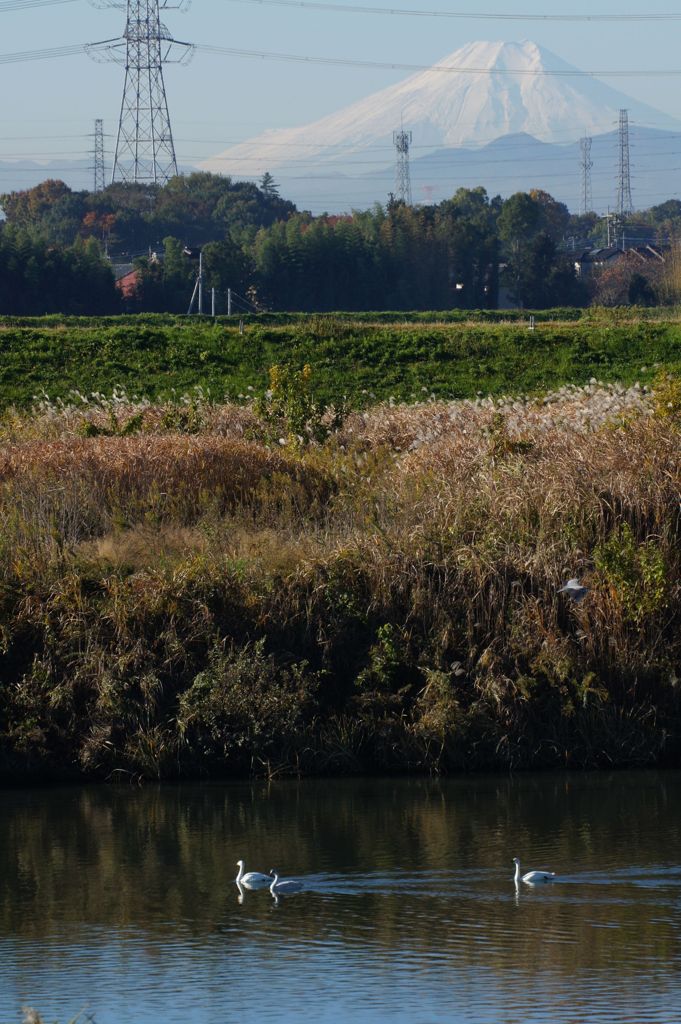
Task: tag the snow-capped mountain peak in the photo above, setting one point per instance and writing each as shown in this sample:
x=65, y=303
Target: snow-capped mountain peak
x=481, y=92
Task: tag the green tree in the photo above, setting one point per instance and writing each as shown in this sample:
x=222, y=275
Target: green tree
x=268, y=186
x=36, y=278
x=226, y=265
x=554, y=217
x=538, y=279
x=519, y=221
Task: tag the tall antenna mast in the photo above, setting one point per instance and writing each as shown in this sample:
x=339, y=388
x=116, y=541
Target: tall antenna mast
x=402, y=142
x=145, y=151
x=99, y=168
x=587, y=203
x=625, y=204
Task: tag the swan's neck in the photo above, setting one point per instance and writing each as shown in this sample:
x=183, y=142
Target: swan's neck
x=274, y=882
x=241, y=871
x=517, y=872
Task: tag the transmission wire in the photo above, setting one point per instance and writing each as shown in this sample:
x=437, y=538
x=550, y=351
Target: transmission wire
x=311, y=5
x=24, y=5
x=446, y=69
x=78, y=48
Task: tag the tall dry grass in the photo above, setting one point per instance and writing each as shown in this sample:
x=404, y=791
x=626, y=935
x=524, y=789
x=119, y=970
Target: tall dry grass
x=212, y=601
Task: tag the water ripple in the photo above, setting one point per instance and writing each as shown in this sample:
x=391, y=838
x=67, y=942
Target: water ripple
x=125, y=904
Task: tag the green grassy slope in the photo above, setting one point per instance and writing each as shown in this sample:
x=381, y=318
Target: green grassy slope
x=363, y=358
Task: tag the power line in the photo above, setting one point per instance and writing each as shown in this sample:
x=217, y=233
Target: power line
x=462, y=175
x=25, y=5
x=435, y=172
x=373, y=156
x=463, y=158
x=224, y=51
x=48, y=54
x=444, y=68
x=462, y=15
x=437, y=152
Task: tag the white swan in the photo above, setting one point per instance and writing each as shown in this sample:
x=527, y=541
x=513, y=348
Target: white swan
x=284, y=885
x=532, y=877
x=252, y=879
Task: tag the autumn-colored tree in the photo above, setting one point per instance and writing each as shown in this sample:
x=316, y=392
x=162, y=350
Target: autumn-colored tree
x=24, y=210
x=625, y=281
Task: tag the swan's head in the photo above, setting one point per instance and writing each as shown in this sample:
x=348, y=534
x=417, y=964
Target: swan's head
x=516, y=861
x=239, y=863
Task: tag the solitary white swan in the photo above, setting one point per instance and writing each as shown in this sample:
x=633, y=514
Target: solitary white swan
x=252, y=879
x=285, y=885
x=532, y=877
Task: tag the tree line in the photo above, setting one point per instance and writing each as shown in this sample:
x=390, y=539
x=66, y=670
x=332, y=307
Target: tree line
x=57, y=248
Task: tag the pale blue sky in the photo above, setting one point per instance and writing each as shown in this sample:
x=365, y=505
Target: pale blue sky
x=49, y=106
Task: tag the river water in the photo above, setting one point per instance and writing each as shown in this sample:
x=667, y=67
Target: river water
x=121, y=902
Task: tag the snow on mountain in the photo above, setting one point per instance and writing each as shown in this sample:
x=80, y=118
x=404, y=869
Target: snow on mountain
x=467, y=100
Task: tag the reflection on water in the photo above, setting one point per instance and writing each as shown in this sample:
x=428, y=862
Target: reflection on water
x=123, y=902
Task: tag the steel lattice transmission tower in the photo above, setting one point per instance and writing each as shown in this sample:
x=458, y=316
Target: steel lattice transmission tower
x=625, y=205
x=99, y=167
x=145, y=151
x=587, y=203
x=402, y=142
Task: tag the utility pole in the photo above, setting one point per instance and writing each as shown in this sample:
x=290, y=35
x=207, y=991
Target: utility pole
x=145, y=151
x=99, y=168
x=625, y=204
x=587, y=165
x=402, y=141
x=198, y=288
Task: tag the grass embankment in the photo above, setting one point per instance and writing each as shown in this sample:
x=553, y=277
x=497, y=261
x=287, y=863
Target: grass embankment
x=181, y=594
x=367, y=359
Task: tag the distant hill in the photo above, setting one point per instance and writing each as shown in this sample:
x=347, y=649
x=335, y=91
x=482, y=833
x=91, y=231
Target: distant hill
x=515, y=163
x=16, y=175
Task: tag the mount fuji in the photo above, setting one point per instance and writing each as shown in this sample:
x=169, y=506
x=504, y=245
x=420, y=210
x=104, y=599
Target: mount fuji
x=482, y=93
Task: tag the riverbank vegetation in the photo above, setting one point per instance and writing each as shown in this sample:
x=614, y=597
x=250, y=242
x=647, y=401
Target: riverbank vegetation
x=281, y=586
x=364, y=358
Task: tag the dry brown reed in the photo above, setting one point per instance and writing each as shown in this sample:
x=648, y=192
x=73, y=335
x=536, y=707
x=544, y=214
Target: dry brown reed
x=137, y=463
x=391, y=596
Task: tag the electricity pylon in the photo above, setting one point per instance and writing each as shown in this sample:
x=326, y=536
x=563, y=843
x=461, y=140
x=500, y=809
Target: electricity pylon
x=99, y=168
x=625, y=203
x=587, y=165
x=145, y=151
x=402, y=142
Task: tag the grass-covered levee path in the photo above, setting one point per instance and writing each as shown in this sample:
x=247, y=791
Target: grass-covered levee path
x=365, y=357
x=211, y=588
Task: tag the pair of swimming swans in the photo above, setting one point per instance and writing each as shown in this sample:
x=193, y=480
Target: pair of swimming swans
x=258, y=880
